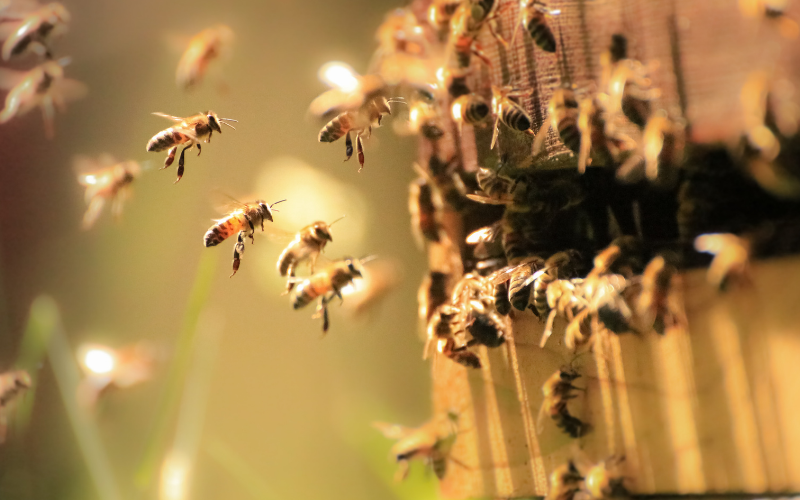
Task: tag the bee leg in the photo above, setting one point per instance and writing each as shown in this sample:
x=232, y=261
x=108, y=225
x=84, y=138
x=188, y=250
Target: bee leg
x=348, y=146
x=238, y=250
x=170, y=157
x=360, y=147
x=48, y=113
x=289, y=282
x=180, y=162
x=199, y=149
x=252, y=229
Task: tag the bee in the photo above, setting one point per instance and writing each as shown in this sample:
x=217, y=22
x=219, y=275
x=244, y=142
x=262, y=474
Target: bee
x=507, y=111
x=45, y=87
x=605, y=480
x=444, y=176
x=731, y=263
x=325, y=285
x=622, y=256
x=440, y=12
x=12, y=385
x=401, y=33
x=189, y=131
x=443, y=324
x=562, y=116
x=534, y=16
x=307, y=244
x=630, y=91
x=557, y=390
x=471, y=109
x=107, y=182
x=595, y=136
x=459, y=354
x=580, y=329
x=36, y=30
x=203, y=48
x=431, y=443
x=432, y=293
x=662, y=149
x=556, y=266
x=425, y=205
x=655, y=304
x=243, y=220
x=485, y=325
x=565, y=482
x=454, y=80
x=106, y=368
x=517, y=279
x=425, y=119
x=358, y=122
x=617, y=51
x=378, y=282
x=773, y=10
x=605, y=296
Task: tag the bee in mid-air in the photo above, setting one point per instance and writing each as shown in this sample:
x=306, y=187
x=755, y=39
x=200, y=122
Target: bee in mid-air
x=190, y=131
x=656, y=304
x=562, y=116
x=356, y=122
x=12, y=385
x=731, y=263
x=595, y=136
x=44, y=86
x=243, y=220
x=325, y=285
x=106, y=180
x=662, y=147
x=307, y=244
x=203, y=48
x=507, y=111
x=35, y=31
x=431, y=443
x=605, y=480
x=565, y=482
x=557, y=390
x=534, y=16
x=629, y=90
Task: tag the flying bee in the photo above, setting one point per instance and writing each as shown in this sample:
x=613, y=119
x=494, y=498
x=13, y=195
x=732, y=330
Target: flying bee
x=430, y=443
x=605, y=480
x=731, y=263
x=204, y=47
x=509, y=112
x=325, y=285
x=243, y=220
x=485, y=325
x=562, y=116
x=35, y=31
x=107, y=181
x=557, y=390
x=661, y=152
x=306, y=246
x=43, y=86
x=425, y=205
x=563, y=299
x=471, y=109
x=358, y=122
x=594, y=135
x=534, y=14
x=565, y=482
x=401, y=33
x=189, y=131
x=432, y=293
x=12, y=385
x=656, y=302
x=630, y=91
x=425, y=119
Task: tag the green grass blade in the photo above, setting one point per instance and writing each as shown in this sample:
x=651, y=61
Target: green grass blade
x=177, y=372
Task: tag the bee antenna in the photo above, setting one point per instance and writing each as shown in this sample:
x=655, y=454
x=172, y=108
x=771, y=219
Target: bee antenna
x=228, y=124
x=228, y=120
x=273, y=204
x=337, y=220
x=401, y=100
x=368, y=258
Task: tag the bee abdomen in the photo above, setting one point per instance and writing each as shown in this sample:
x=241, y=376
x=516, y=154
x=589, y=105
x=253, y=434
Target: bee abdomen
x=222, y=230
x=285, y=261
x=501, y=302
x=476, y=111
x=336, y=128
x=542, y=34
x=540, y=296
x=569, y=133
x=304, y=294
x=165, y=140
x=516, y=118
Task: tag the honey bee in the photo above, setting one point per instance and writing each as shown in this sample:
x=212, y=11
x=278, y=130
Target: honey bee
x=243, y=220
x=605, y=480
x=108, y=181
x=563, y=299
x=203, y=48
x=307, y=244
x=517, y=279
x=485, y=325
x=630, y=91
x=622, y=256
x=12, y=385
x=595, y=136
x=358, y=122
x=562, y=116
x=425, y=205
x=44, y=86
x=440, y=12
x=471, y=109
x=773, y=10
x=36, y=30
x=507, y=111
x=190, y=131
x=106, y=369
x=606, y=297
x=430, y=443
x=731, y=263
x=655, y=304
x=401, y=33
x=661, y=152
x=534, y=16
x=442, y=325
x=557, y=390
x=325, y=285
x=425, y=119
x=432, y=293
x=454, y=80
x=556, y=266
x=565, y=482
x=459, y=354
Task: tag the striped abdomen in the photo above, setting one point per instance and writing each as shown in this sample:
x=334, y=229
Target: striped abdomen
x=540, y=32
x=515, y=117
x=167, y=139
x=540, y=291
x=338, y=127
x=423, y=209
x=224, y=228
x=472, y=108
x=518, y=293
x=309, y=290
x=569, y=133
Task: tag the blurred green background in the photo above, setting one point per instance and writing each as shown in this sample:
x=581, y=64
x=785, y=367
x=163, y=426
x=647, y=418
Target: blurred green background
x=287, y=414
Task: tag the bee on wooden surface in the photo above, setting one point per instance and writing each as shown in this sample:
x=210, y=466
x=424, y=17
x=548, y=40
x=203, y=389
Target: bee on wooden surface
x=204, y=47
x=771, y=10
x=454, y=80
x=444, y=322
x=534, y=15
x=44, y=86
x=630, y=91
x=558, y=390
x=557, y=266
x=12, y=385
x=507, y=111
x=471, y=109
x=190, y=131
x=616, y=52
x=243, y=221
x=606, y=480
x=731, y=263
x=656, y=302
x=306, y=246
x=432, y=293
x=562, y=116
x=485, y=325
x=460, y=354
x=661, y=153
x=430, y=443
x=580, y=330
x=106, y=180
x=564, y=300
x=325, y=285
x=622, y=256
x=445, y=177
x=565, y=482
x=605, y=296
x=425, y=206
x=35, y=31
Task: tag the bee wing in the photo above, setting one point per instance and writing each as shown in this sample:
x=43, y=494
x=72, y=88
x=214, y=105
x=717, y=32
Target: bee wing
x=169, y=117
x=541, y=135
x=93, y=212
x=482, y=235
x=482, y=198
x=533, y=277
x=540, y=419
x=10, y=78
x=391, y=431
x=71, y=90
x=335, y=100
x=503, y=274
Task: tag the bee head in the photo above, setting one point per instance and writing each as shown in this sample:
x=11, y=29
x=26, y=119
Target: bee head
x=213, y=122
x=57, y=13
x=351, y=266
x=322, y=231
x=264, y=210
